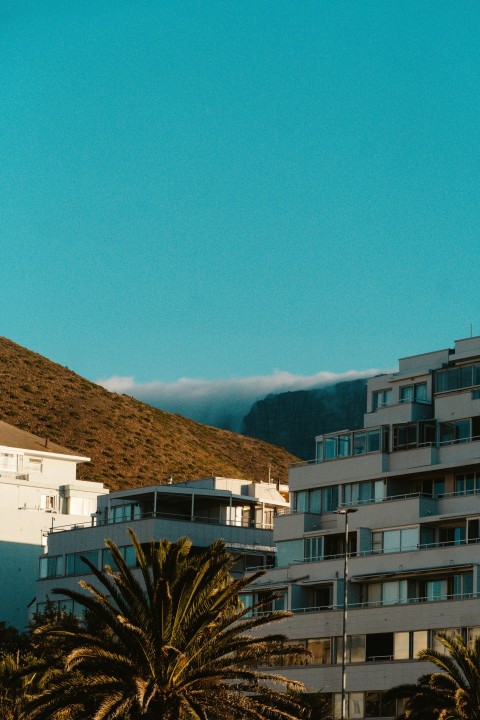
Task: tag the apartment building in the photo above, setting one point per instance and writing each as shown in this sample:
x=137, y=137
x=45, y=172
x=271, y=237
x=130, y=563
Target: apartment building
x=410, y=481
x=38, y=490
x=238, y=511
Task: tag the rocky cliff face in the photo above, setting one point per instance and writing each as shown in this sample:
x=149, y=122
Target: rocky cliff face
x=293, y=419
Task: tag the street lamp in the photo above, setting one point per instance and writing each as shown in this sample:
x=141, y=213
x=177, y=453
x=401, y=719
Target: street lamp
x=345, y=512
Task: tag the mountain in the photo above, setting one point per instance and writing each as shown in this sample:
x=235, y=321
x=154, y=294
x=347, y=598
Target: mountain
x=293, y=419
x=129, y=443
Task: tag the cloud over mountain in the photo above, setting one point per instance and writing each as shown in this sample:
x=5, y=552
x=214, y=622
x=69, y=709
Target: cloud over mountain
x=222, y=403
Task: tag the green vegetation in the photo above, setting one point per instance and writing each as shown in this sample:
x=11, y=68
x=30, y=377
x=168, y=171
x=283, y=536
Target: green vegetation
x=168, y=640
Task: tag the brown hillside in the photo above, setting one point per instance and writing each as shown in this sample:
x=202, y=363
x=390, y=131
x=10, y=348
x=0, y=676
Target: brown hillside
x=129, y=442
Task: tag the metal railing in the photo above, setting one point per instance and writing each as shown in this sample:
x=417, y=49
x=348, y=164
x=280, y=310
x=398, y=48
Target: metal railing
x=98, y=521
x=444, y=597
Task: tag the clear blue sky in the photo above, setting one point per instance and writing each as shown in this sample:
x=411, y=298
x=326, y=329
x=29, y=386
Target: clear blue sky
x=221, y=189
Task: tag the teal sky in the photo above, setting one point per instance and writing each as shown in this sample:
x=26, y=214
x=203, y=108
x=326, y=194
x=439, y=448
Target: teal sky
x=221, y=189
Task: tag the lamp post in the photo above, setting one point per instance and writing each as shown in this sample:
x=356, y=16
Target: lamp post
x=345, y=512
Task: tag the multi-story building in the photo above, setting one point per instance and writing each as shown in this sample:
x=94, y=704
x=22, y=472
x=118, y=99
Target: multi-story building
x=238, y=511
x=411, y=476
x=38, y=490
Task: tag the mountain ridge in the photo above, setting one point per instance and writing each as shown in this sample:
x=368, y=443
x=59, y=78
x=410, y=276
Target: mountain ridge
x=129, y=442
x=292, y=419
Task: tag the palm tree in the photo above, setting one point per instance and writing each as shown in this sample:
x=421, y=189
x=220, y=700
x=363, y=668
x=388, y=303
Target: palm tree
x=21, y=678
x=172, y=641
x=453, y=693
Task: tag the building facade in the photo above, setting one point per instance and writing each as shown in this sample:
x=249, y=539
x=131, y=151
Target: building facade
x=237, y=511
x=411, y=481
x=38, y=490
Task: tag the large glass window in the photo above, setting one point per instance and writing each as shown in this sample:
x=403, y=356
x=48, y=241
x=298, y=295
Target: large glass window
x=414, y=393
x=468, y=484
x=52, y=566
x=455, y=431
x=321, y=649
x=124, y=513
x=400, y=540
x=457, y=378
x=316, y=501
x=331, y=447
x=127, y=552
x=436, y=590
x=75, y=564
x=356, y=648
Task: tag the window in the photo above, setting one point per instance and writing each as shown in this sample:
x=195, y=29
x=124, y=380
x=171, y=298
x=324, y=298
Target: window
x=415, y=434
x=33, y=464
x=126, y=551
x=48, y=502
x=8, y=462
x=457, y=378
x=394, y=592
x=51, y=566
x=366, y=442
x=414, y=393
x=439, y=488
x=379, y=647
x=321, y=649
x=363, y=492
x=420, y=642
x=247, y=601
x=401, y=646
x=316, y=501
x=321, y=597
x=400, y=540
x=356, y=648
x=124, y=513
x=455, y=431
x=328, y=546
x=468, y=484
x=75, y=564
x=300, y=501
x=331, y=447
x=382, y=398
x=473, y=531
x=437, y=645
x=313, y=548
x=453, y=535
x=407, y=645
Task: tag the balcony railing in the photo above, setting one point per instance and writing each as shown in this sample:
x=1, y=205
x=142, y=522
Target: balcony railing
x=390, y=603
x=97, y=521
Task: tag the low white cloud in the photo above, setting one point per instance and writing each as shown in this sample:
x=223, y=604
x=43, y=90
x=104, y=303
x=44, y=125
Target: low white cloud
x=222, y=403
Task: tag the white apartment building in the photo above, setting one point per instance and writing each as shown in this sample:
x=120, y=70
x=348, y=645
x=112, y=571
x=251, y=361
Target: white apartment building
x=38, y=489
x=238, y=511
x=412, y=477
